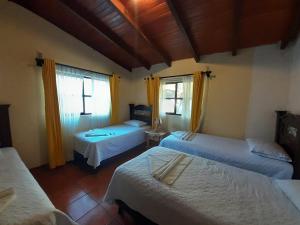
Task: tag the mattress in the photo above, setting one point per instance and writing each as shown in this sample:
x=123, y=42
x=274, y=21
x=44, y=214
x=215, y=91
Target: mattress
x=207, y=193
x=119, y=139
x=31, y=205
x=233, y=152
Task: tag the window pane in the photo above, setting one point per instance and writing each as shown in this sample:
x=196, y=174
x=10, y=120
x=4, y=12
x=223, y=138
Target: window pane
x=170, y=90
x=88, y=86
x=179, y=106
x=169, y=105
x=179, y=90
x=88, y=105
x=101, y=98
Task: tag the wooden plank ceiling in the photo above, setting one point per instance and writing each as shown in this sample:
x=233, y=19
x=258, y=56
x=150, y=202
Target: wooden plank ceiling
x=136, y=33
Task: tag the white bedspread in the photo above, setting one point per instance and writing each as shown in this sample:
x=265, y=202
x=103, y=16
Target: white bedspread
x=119, y=139
x=31, y=205
x=230, y=151
x=206, y=193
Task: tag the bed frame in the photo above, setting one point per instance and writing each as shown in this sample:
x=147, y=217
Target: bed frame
x=138, y=112
x=141, y=112
x=138, y=218
x=5, y=134
x=288, y=136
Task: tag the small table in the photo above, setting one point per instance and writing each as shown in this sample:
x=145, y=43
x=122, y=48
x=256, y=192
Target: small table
x=157, y=136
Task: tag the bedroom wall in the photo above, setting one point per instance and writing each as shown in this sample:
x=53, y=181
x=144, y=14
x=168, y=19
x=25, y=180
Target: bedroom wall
x=22, y=35
x=294, y=93
x=228, y=94
x=242, y=99
x=269, y=91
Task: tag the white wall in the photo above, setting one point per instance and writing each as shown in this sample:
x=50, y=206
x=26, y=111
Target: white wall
x=269, y=91
x=248, y=89
x=294, y=94
x=228, y=94
x=22, y=35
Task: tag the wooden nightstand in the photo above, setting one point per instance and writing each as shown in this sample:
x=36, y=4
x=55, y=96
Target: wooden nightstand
x=156, y=136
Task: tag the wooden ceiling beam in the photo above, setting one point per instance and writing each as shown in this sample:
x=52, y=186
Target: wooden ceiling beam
x=294, y=27
x=185, y=31
x=105, y=31
x=237, y=13
x=118, y=5
x=35, y=7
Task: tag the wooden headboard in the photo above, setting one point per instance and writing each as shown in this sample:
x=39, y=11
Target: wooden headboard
x=288, y=136
x=5, y=135
x=141, y=112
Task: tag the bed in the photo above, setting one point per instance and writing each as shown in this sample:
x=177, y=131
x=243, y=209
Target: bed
x=29, y=205
x=96, y=146
x=206, y=192
x=22, y=201
x=236, y=152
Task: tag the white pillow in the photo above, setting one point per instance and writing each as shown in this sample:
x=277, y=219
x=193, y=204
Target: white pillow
x=178, y=134
x=268, y=149
x=291, y=188
x=135, y=123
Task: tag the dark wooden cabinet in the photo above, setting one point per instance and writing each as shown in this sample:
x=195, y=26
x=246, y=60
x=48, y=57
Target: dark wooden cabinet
x=5, y=135
x=288, y=136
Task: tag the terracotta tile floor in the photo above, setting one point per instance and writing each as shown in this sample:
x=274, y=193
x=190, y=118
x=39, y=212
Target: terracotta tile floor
x=80, y=193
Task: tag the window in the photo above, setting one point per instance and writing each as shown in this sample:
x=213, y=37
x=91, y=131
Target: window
x=87, y=90
x=83, y=93
x=173, y=98
x=175, y=102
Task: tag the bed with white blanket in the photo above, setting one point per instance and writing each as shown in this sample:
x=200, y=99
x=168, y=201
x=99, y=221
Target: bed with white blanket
x=22, y=201
x=202, y=192
x=112, y=141
x=98, y=145
x=231, y=151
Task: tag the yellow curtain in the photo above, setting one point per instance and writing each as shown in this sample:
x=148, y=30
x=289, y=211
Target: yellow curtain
x=198, y=87
x=153, y=96
x=149, y=91
x=55, y=150
x=114, y=92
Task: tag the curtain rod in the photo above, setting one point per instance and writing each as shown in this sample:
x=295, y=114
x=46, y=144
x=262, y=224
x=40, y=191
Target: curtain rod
x=40, y=62
x=181, y=75
x=206, y=73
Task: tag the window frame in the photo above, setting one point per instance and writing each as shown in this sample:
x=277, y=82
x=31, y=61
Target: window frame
x=175, y=98
x=85, y=96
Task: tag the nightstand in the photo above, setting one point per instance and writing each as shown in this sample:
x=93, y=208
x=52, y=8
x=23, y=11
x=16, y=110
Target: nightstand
x=156, y=136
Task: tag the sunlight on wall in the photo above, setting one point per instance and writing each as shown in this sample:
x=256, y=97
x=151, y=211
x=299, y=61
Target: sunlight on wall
x=24, y=34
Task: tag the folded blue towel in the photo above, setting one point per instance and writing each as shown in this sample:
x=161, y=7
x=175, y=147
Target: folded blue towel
x=95, y=135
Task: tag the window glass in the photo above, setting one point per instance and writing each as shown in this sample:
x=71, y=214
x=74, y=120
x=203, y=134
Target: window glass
x=80, y=94
x=170, y=90
x=173, y=93
x=179, y=90
x=88, y=86
x=101, y=98
x=88, y=105
x=169, y=105
x=179, y=106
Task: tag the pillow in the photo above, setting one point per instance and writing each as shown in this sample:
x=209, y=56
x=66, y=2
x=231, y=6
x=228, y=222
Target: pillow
x=135, y=123
x=291, y=188
x=178, y=134
x=268, y=149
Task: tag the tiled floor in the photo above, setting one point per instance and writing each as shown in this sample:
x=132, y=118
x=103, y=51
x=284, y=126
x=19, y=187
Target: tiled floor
x=80, y=193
